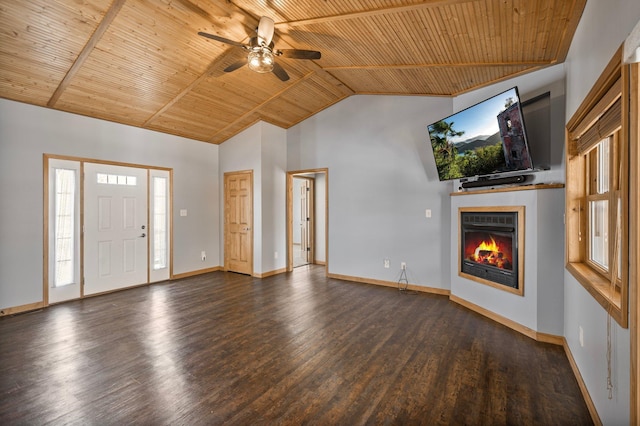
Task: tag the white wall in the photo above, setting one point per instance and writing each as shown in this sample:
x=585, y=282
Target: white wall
x=274, y=202
x=242, y=152
x=261, y=148
x=603, y=28
x=27, y=132
x=550, y=261
x=540, y=307
x=381, y=179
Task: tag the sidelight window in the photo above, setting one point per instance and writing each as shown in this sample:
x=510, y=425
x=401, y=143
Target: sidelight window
x=64, y=227
x=160, y=223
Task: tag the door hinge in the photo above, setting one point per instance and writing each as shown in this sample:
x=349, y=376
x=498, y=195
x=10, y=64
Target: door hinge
x=308, y=248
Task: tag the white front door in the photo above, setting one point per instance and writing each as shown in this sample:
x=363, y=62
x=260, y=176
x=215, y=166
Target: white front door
x=116, y=229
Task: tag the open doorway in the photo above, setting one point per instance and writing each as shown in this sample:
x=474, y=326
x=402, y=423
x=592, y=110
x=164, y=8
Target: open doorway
x=307, y=195
x=303, y=220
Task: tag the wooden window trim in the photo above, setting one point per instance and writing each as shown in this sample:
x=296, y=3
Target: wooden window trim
x=611, y=86
x=597, y=285
x=634, y=241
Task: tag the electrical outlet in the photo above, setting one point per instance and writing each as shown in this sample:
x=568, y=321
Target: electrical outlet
x=203, y=255
x=275, y=254
x=581, y=336
x=403, y=265
x=386, y=263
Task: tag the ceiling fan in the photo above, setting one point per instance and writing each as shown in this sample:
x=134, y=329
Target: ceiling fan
x=261, y=52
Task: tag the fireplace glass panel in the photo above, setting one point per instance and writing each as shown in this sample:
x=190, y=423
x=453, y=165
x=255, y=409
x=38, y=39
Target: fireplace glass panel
x=489, y=247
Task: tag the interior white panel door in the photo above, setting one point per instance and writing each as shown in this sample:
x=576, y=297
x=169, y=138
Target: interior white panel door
x=115, y=227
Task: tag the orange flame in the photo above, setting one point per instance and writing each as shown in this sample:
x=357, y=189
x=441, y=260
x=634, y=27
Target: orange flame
x=489, y=247
x=490, y=253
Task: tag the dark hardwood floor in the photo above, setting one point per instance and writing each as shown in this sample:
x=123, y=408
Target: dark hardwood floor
x=295, y=348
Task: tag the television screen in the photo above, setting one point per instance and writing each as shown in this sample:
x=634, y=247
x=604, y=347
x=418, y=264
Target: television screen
x=485, y=139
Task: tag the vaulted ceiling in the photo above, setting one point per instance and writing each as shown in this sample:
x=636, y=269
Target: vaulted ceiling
x=142, y=63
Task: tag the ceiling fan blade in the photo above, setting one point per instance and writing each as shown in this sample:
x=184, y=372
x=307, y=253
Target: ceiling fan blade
x=221, y=39
x=236, y=65
x=265, y=30
x=299, y=54
x=280, y=72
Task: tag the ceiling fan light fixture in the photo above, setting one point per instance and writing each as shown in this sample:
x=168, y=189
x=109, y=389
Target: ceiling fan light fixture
x=260, y=61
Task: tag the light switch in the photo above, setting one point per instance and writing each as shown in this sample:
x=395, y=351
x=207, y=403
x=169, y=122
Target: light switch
x=427, y=213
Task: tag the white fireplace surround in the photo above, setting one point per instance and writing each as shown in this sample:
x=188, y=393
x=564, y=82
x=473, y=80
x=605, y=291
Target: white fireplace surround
x=540, y=309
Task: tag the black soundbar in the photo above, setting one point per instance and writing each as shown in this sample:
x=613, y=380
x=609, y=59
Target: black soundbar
x=494, y=181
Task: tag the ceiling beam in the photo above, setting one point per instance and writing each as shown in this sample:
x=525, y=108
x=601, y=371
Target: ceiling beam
x=368, y=13
x=570, y=29
x=260, y=105
x=86, y=50
x=251, y=23
x=214, y=66
x=441, y=65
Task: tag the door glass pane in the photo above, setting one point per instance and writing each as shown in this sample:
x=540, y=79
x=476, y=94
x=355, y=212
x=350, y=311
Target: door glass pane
x=598, y=232
x=111, y=179
x=64, y=234
x=159, y=223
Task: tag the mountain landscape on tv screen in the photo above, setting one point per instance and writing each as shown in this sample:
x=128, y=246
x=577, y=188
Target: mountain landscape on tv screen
x=477, y=142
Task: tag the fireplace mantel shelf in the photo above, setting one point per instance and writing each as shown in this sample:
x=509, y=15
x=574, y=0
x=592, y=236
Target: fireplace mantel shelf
x=512, y=188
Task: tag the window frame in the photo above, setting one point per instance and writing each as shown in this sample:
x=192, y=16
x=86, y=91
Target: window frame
x=612, y=85
x=611, y=195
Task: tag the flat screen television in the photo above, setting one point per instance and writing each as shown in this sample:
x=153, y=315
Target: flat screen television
x=486, y=139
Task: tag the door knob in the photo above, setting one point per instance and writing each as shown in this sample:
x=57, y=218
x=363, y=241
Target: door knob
x=143, y=235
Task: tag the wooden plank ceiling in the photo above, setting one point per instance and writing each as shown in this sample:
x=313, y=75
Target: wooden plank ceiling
x=142, y=63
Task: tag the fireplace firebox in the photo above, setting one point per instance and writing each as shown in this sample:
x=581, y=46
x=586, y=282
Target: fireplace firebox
x=492, y=246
